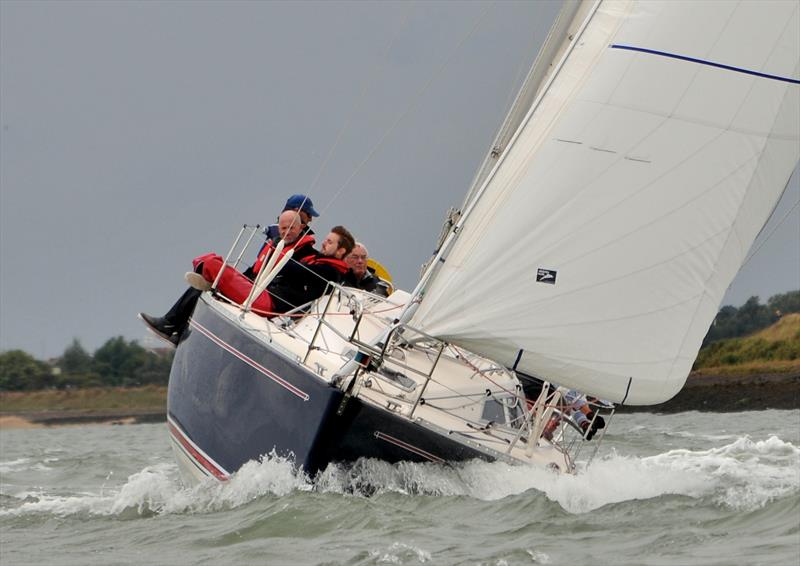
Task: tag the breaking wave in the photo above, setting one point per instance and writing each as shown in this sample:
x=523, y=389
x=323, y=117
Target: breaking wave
x=742, y=475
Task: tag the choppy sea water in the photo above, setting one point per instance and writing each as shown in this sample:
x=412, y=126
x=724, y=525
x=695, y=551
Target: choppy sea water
x=690, y=488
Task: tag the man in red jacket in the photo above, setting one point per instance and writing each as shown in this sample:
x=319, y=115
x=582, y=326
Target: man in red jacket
x=303, y=279
x=174, y=322
x=294, y=234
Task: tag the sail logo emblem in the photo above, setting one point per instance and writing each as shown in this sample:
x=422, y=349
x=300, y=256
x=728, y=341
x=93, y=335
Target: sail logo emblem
x=546, y=276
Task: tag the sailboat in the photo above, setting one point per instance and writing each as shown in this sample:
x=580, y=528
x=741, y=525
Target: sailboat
x=648, y=146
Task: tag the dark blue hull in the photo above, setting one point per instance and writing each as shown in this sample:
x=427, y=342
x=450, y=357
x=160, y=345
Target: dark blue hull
x=233, y=399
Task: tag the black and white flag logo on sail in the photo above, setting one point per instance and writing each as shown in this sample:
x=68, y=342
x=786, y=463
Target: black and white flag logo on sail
x=546, y=276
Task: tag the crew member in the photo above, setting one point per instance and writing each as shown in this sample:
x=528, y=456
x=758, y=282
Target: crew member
x=360, y=275
x=303, y=281
x=301, y=204
x=171, y=326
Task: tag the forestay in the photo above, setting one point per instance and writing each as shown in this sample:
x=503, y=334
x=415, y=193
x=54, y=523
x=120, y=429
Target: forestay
x=601, y=246
x=566, y=25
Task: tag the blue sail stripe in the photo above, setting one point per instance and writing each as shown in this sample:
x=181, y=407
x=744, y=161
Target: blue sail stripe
x=705, y=62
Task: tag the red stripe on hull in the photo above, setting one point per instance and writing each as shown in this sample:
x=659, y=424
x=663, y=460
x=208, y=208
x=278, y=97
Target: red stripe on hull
x=248, y=360
x=198, y=457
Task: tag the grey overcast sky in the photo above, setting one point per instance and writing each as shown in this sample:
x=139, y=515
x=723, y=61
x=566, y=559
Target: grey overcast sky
x=137, y=135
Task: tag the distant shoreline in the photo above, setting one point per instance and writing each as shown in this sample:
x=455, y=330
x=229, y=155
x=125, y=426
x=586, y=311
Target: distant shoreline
x=731, y=393
x=66, y=407
x=49, y=419
x=708, y=393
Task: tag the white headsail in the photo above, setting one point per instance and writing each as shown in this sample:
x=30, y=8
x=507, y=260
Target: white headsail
x=565, y=27
x=598, y=250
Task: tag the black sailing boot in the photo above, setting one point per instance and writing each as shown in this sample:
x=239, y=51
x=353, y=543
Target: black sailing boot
x=161, y=328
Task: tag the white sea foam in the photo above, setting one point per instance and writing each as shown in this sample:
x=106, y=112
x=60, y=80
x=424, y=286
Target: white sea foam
x=157, y=490
x=744, y=474
x=26, y=465
x=539, y=557
x=400, y=553
x=17, y=465
x=701, y=436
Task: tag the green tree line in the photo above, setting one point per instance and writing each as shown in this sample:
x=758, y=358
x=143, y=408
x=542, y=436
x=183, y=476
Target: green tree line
x=127, y=364
x=733, y=322
x=117, y=363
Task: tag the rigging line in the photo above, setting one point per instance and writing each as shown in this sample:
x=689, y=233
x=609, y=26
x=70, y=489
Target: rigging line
x=524, y=69
x=478, y=372
x=517, y=103
x=768, y=236
x=414, y=100
x=364, y=89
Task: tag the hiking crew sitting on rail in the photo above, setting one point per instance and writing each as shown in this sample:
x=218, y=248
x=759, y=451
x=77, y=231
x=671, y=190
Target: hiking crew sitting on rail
x=303, y=279
x=294, y=234
x=360, y=275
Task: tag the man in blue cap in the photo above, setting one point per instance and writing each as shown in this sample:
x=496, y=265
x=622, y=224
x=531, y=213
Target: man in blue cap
x=172, y=324
x=303, y=205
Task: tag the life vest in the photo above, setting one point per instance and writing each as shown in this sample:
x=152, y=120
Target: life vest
x=269, y=247
x=337, y=264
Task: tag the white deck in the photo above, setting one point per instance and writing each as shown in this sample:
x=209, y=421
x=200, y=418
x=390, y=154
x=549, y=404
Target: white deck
x=454, y=396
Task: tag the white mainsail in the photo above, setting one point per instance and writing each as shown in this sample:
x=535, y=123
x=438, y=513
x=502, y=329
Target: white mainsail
x=598, y=250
